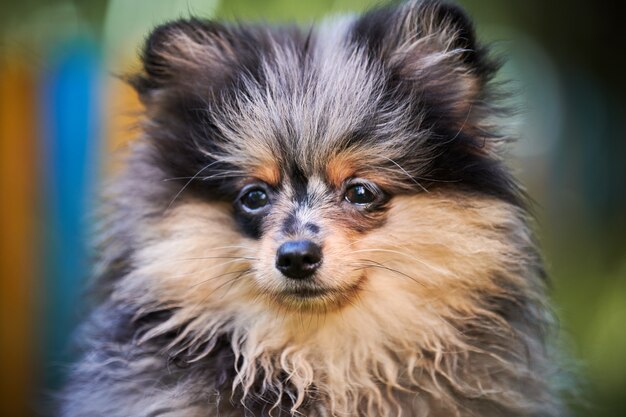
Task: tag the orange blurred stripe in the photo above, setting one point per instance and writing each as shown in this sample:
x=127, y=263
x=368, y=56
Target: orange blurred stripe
x=18, y=251
x=123, y=113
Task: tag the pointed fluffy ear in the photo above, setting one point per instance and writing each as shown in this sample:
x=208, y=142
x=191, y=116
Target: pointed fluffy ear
x=197, y=54
x=433, y=31
x=432, y=44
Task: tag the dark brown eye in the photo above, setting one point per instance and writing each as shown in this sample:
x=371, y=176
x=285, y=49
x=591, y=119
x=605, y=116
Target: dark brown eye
x=254, y=199
x=360, y=195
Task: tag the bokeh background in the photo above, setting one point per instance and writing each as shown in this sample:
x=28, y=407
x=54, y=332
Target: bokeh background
x=64, y=115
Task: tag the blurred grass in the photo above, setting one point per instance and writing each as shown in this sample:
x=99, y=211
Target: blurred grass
x=589, y=295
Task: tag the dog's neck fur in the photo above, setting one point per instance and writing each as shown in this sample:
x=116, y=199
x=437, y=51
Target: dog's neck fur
x=368, y=361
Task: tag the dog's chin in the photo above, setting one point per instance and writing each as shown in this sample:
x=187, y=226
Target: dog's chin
x=316, y=298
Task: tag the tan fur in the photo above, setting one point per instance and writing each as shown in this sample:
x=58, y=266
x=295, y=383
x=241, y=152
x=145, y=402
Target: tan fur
x=268, y=172
x=456, y=246
x=340, y=168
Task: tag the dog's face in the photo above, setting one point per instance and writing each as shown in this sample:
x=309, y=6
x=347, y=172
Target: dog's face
x=310, y=171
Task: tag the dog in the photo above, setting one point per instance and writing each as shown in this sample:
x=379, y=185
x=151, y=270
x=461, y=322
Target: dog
x=318, y=222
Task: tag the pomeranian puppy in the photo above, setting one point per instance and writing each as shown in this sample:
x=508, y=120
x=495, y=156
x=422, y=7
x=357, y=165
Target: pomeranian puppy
x=317, y=222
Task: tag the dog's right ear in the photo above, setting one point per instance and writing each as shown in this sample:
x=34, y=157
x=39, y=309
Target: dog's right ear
x=193, y=54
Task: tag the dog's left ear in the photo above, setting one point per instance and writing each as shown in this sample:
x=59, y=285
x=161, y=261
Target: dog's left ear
x=198, y=56
x=432, y=45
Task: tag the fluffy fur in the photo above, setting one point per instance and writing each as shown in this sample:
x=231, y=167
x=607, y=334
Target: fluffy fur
x=430, y=303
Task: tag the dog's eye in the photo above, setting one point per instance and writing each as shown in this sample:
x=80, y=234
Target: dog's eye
x=360, y=195
x=254, y=199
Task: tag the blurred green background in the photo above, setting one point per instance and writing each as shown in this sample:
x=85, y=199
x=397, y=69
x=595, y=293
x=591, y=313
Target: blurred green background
x=63, y=113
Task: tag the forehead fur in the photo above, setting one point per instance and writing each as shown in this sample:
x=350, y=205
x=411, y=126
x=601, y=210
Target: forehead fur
x=400, y=92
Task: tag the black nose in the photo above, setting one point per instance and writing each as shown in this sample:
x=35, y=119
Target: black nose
x=298, y=259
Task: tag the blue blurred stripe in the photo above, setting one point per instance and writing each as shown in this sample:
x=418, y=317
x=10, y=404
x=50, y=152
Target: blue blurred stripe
x=71, y=113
